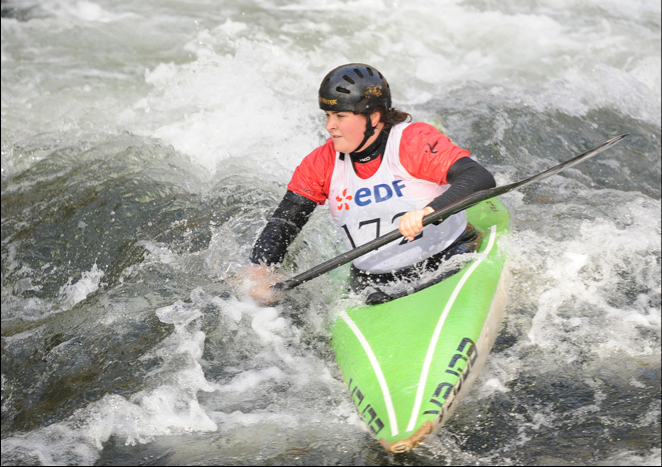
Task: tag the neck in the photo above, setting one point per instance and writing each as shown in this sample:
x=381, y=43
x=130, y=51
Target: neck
x=369, y=142
x=372, y=149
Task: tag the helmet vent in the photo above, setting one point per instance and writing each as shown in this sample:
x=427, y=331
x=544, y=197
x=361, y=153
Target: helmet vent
x=348, y=79
x=358, y=72
x=369, y=71
x=343, y=90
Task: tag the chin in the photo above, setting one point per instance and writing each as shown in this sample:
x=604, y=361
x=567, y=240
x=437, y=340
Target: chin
x=341, y=147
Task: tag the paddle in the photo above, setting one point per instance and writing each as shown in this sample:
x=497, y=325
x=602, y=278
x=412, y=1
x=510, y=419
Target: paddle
x=441, y=214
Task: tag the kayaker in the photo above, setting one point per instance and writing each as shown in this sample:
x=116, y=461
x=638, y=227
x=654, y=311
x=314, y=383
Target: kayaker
x=377, y=171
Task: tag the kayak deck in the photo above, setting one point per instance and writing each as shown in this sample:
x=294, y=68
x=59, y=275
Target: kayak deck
x=408, y=362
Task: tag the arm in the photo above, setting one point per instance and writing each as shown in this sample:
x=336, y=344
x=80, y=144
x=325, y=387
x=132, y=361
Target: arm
x=465, y=177
x=285, y=224
x=307, y=189
x=287, y=221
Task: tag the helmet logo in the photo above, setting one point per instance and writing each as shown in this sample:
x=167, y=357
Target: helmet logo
x=375, y=91
x=341, y=200
x=329, y=102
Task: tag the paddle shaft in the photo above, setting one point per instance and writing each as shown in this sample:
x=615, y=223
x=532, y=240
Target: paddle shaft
x=440, y=215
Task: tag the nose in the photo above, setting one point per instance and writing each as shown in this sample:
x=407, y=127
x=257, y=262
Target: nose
x=330, y=123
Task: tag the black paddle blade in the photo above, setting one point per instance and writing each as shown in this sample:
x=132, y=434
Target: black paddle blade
x=441, y=214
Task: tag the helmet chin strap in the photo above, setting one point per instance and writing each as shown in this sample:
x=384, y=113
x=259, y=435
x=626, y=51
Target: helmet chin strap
x=369, y=131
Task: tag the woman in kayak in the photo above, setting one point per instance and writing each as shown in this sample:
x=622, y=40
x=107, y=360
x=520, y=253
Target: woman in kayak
x=378, y=172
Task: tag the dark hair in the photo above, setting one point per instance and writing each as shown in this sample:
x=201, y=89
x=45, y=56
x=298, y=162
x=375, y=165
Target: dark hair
x=392, y=117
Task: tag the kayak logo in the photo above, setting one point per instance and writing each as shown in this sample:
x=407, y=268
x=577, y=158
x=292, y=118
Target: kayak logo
x=378, y=194
x=446, y=400
x=368, y=414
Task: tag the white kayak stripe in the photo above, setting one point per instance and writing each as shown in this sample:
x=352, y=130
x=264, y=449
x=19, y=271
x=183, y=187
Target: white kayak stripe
x=437, y=331
x=378, y=372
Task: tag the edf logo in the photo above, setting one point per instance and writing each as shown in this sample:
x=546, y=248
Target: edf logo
x=381, y=193
x=365, y=196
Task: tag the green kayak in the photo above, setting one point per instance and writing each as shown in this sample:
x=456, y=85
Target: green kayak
x=408, y=362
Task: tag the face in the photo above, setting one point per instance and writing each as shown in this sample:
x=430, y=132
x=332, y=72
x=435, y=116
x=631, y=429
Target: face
x=347, y=130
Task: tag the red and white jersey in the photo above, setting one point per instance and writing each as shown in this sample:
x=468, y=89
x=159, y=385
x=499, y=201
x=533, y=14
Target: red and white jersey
x=368, y=202
x=367, y=208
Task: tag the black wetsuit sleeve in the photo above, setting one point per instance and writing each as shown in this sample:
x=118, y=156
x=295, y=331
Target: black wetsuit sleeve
x=465, y=177
x=285, y=224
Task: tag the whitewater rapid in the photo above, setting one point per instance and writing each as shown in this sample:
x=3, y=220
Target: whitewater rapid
x=144, y=146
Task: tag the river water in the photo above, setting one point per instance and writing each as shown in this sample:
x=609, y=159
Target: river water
x=144, y=145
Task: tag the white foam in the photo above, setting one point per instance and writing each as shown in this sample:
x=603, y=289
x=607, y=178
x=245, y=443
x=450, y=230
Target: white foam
x=580, y=277
x=171, y=407
x=494, y=385
x=71, y=294
x=237, y=419
x=252, y=379
x=268, y=325
x=653, y=458
x=178, y=314
x=83, y=10
x=222, y=107
x=244, y=92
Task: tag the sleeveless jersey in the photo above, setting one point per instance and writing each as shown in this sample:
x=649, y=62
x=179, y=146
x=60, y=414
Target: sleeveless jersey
x=367, y=209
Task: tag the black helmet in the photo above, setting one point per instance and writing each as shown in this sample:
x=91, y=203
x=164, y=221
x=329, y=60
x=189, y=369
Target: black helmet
x=354, y=87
